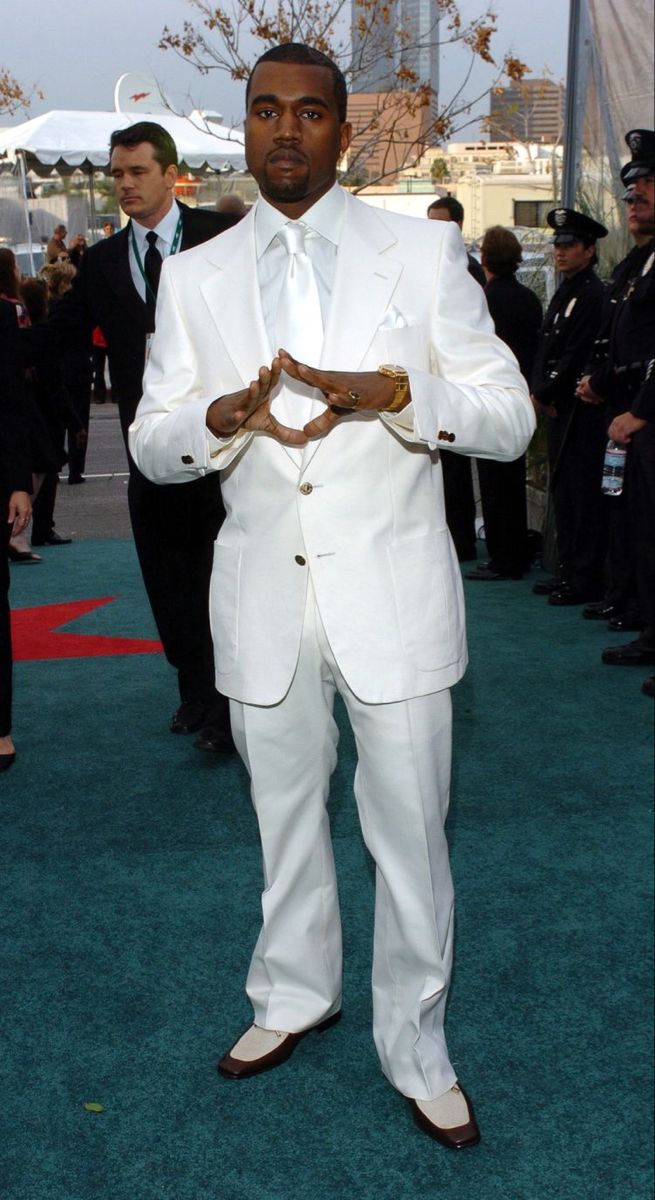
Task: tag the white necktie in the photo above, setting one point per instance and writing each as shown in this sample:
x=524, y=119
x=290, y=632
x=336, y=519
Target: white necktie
x=298, y=329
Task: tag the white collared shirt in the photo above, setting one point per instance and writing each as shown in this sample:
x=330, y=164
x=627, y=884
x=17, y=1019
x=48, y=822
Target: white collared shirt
x=165, y=234
x=323, y=223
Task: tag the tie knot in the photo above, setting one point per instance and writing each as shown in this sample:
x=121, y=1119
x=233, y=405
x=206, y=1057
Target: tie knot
x=293, y=238
x=151, y=239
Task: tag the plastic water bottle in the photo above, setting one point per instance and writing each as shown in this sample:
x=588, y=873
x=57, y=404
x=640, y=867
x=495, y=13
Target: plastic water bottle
x=613, y=469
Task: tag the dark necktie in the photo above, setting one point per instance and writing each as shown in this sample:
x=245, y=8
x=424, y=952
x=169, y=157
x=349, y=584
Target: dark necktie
x=152, y=267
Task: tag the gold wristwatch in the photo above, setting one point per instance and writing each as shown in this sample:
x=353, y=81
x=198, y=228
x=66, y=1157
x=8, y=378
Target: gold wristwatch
x=401, y=380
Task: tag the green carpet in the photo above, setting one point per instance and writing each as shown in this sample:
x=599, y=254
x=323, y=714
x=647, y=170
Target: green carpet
x=130, y=903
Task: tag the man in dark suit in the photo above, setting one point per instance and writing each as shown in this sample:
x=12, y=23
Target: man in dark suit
x=516, y=313
x=457, y=474
x=174, y=527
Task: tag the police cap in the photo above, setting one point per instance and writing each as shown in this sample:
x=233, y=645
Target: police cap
x=641, y=143
x=571, y=226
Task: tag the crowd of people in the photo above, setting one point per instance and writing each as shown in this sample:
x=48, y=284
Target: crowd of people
x=311, y=389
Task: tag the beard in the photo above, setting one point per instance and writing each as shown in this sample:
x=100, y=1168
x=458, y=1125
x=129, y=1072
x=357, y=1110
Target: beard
x=287, y=190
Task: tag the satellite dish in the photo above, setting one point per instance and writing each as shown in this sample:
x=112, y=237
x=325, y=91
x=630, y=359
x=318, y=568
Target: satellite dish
x=137, y=92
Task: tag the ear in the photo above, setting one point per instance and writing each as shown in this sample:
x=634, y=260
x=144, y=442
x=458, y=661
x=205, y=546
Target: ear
x=345, y=136
x=170, y=175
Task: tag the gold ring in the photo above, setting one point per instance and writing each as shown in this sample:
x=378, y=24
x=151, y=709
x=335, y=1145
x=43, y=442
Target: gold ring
x=354, y=396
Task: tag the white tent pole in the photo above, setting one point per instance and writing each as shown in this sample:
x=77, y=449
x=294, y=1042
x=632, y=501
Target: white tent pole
x=28, y=223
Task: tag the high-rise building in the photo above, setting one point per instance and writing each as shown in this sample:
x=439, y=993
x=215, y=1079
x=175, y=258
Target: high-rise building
x=403, y=35
x=530, y=111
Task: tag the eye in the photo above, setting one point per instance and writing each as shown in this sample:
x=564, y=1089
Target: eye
x=311, y=114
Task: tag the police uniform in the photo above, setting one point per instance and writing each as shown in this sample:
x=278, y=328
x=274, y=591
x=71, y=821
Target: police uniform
x=628, y=383
x=576, y=435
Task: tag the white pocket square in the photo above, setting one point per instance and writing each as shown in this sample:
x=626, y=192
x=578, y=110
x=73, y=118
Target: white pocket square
x=393, y=319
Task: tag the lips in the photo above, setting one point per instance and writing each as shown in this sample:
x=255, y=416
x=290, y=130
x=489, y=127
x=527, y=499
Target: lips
x=287, y=158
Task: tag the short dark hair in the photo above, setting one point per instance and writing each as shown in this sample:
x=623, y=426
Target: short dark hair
x=500, y=251
x=306, y=56
x=8, y=281
x=164, y=148
x=453, y=207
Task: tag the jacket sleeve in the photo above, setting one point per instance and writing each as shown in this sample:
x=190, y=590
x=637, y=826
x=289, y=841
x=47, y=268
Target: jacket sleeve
x=474, y=399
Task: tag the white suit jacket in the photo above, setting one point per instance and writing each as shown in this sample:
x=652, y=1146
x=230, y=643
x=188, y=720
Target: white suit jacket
x=364, y=512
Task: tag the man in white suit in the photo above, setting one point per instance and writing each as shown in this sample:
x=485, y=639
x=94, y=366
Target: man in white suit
x=334, y=568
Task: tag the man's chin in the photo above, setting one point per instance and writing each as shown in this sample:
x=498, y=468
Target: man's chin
x=287, y=190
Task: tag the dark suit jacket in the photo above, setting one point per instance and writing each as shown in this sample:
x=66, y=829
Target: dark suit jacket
x=104, y=294
x=516, y=314
x=15, y=460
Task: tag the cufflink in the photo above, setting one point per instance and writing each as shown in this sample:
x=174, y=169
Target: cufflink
x=444, y=436
x=187, y=459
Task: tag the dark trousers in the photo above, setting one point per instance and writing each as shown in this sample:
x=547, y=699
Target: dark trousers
x=640, y=470
x=78, y=427
x=460, y=502
x=43, y=509
x=504, y=511
x=5, y=623
x=175, y=527
x=576, y=445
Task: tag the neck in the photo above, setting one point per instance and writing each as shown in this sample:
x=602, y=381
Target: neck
x=153, y=221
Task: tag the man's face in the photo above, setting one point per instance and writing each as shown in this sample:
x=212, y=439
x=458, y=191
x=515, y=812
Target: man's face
x=61, y=232
x=294, y=137
x=572, y=257
x=143, y=188
x=641, y=208
x=439, y=214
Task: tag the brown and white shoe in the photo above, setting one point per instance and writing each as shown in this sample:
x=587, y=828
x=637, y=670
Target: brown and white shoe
x=449, y=1119
x=260, y=1049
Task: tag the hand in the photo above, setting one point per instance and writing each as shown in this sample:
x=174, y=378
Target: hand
x=373, y=392
x=250, y=409
x=20, y=511
x=543, y=410
x=586, y=393
x=623, y=427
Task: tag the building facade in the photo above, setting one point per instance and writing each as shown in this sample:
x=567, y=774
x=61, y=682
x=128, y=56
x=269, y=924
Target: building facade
x=530, y=111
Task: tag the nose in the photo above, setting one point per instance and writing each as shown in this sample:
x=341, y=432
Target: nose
x=288, y=127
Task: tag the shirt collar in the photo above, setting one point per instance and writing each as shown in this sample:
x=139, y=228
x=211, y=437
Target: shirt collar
x=324, y=218
x=164, y=230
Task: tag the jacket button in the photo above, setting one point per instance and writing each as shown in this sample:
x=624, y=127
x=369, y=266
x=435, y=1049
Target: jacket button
x=300, y=560
x=186, y=459
x=451, y=437
x=306, y=489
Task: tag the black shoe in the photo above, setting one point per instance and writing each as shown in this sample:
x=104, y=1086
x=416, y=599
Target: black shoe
x=544, y=587
x=6, y=760
x=188, y=718
x=486, y=572
x=73, y=479
x=53, y=539
x=631, y=654
x=625, y=623
x=215, y=740
x=22, y=556
x=568, y=594
x=599, y=610
x=648, y=687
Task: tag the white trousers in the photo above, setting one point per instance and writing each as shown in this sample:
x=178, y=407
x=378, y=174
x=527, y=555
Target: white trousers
x=402, y=785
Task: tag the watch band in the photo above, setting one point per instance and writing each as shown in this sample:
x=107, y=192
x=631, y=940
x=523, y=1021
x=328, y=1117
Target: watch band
x=401, y=380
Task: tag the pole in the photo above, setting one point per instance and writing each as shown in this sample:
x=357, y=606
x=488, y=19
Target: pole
x=572, y=147
x=26, y=211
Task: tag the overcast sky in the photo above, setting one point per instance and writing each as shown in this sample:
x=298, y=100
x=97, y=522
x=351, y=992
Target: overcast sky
x=75, y=50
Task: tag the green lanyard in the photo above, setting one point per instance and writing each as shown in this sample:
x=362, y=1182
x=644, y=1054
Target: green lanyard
x=177, y=237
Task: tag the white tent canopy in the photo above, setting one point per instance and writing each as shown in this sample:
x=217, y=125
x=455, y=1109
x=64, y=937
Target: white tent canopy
x=66, y=141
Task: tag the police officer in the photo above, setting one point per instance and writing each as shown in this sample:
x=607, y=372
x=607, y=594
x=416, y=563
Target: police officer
x=576, y=432
x=627, y=383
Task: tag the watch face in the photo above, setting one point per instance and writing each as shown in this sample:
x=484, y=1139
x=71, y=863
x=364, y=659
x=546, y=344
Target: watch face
x=393, y=367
